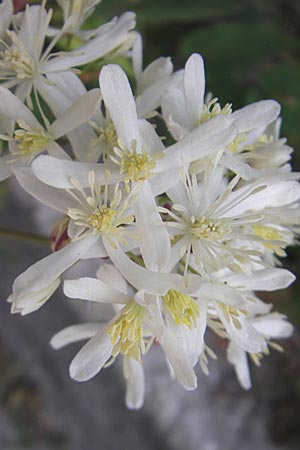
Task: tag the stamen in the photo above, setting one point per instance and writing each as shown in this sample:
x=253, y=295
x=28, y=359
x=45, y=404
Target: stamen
x=17, y=59
x=183, y=308
x=213, y=109
x=126, y=332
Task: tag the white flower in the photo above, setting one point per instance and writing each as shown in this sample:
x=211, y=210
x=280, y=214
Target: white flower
x=93, y=214
x=184, y=109
x=130, y=331
x=31, y=138
x=24, y=64
x=220, y=225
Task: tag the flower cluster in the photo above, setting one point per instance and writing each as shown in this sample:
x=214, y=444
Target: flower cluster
x=186, y=226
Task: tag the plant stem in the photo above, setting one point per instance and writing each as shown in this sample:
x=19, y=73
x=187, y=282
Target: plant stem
x=18, y=235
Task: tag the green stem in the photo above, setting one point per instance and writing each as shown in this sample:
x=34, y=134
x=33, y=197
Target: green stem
x=22, y=236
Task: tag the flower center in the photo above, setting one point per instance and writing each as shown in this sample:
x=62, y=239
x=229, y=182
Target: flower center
x=17, y=59
x=183, y=309
x=109, y=135
x=126, y=332
x=102, y=219
x=212, y=109
x=211, y=229
x=30, y=141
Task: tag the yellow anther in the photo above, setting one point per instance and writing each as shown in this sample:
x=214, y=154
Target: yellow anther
x=212, y=109
x=17, y=59
x=234, y=146
x=211, y=229
x=30, y=141
x=271, y=234
x=126, y=332
x=102, y=219
x=183, y=308
x=109, y=135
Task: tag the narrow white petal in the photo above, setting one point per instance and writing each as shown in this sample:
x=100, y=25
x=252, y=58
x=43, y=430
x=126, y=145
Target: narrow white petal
x=110, y=275
x=12, y=107
x=74, y=333
x=92, y=357
x=58, y=173
x=238, y=358
x=256, y=115
x=194, y=87
x=135, y=383
x=118, y=98
x=265, y=280
x=94, y=290
x=80, y=112
x=245, y=336
x=155, y=283
x=155, y=245
x=95, y=48
x=273, y=325
x=54, y=198
x=48, y=269
x=205, y=140
x=179, y=362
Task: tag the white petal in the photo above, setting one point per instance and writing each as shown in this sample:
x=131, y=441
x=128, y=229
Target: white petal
x=58, y=173
x=54, y=198
x=60, y=90
x=155, y=245
x=135, y=383
x=273, y=325
x=238, y=358
x=151, y=98
x=48, y=269
x=157, y=70
x=96, y=48
x=110, y=275
x=80, y=112
x=74, y=333
x=92, y=357
x=179, y=361
x=246, y=336
x=256, y=115
x=194, y=87
x=155, y=283
x=174, y=110
x=151, y=139
x=33, y=30
x=223, y=294
x=265, y=280
x=205, y=140
x=118, y=98
x=94, y=290
x=6, y=12
x=12, y=107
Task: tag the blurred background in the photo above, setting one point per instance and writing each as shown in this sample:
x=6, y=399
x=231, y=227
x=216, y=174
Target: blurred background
x=252, y=52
